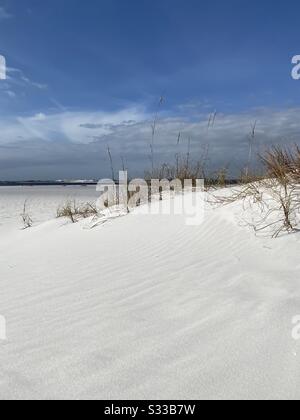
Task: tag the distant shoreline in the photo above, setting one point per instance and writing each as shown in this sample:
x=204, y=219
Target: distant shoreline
x=69, y=183
x=45, y=183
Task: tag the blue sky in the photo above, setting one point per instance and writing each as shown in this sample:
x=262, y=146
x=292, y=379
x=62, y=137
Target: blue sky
x=82, y=75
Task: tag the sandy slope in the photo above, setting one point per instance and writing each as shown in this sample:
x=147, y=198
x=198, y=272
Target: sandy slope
x=42, y=203
x=146, y=307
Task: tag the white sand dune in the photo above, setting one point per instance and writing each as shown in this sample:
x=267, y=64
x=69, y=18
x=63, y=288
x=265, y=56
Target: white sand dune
x=41, y=202
x=145, y=307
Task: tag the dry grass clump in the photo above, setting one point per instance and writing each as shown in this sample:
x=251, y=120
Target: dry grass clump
x=248, y=177
x=218, y=179
x=26, y=218
x=182, y=169
x=75, y=212
x=283, y=182
x=276, y=196
x=283, y=164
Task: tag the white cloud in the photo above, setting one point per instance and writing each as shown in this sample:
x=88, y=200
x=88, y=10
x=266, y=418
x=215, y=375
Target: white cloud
x=39, y=117
x=4, y=14
x=33, y=84
x=71, y=139
x=16, y=77
x=18, y=85
x=11, y=94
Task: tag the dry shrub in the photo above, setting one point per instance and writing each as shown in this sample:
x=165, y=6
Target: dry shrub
x=75, y=212
x=218, y=179
x=283, y=164
x=276, y=196
x=248, y=177
x=183, y=168
x=283, y=177
x=26, y=218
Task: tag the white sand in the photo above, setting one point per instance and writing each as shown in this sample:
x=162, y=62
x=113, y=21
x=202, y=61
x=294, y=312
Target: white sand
x=146, y=308
x=42, y=203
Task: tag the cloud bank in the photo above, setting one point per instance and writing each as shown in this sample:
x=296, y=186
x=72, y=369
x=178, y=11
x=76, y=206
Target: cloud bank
x=74, y=144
